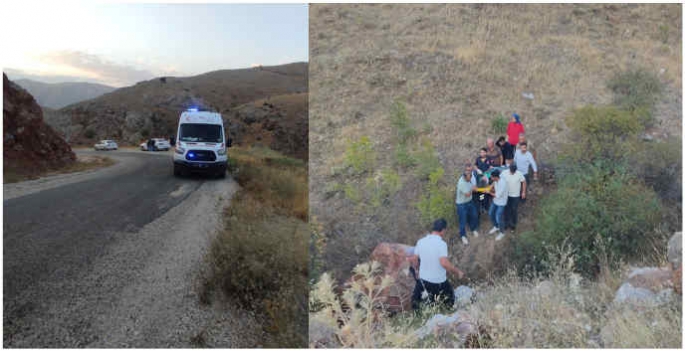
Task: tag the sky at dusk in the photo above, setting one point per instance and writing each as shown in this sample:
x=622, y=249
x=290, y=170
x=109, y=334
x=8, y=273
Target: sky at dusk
x=121, y=44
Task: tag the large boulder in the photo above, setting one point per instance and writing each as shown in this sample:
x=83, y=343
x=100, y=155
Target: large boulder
x=393, y=259
x=646, y=286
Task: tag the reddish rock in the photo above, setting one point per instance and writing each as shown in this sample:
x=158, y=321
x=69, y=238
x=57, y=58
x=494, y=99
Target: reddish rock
x=393, y=259
x=30, y=145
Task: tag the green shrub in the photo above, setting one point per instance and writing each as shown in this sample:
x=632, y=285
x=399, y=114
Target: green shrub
x=601, y=132
x=635, y=89
x=593, y=201
x=403, y=158
x=437, y=201
x=89, y=133
x=663, y=33
x=499, y=124
x=352, y=193
x=659, y=165
x=426, y=160
x=401, y=123
x=360, y=155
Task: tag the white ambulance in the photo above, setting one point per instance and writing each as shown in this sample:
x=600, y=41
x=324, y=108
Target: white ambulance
x=200, y=144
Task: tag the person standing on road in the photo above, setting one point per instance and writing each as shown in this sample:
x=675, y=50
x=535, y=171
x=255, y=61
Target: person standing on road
x=172, y=141
x=525, y=160
x=516, y=188
x=499, y=201
x=466, y=210
x=150, y=145
x=430, y=254
x=514, y=129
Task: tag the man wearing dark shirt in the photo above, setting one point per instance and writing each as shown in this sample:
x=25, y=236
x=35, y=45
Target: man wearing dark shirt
x=507, y=150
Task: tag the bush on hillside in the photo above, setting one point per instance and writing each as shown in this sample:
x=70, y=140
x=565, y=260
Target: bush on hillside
x=636, y=90
x=499, y=124
x=399, y=119
x=426, y=160
x=606, y=133
x=360, y=155
x=593, y=201
x=437, y=201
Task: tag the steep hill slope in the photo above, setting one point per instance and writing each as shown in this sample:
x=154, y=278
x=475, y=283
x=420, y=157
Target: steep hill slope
x=455, y=68
x=151, y=108
x=58, y=95
x=29, y=145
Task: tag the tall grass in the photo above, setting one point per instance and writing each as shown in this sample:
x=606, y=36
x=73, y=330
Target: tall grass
x=260, y=258
x=561, y=310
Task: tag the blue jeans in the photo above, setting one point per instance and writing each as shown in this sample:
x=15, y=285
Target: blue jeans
x=467, y=212
x=497, y=215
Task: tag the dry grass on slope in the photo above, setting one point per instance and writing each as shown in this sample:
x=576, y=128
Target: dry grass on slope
x=561, y=311
x=260, y=259
x=455, y=68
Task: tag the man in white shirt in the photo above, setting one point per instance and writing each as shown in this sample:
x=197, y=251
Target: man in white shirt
x=524, y=160
x=499, y=201
x=516, y=188
x=430, y=254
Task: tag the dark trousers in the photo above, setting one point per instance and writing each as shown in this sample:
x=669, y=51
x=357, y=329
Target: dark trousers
x=529, y=178
x=511, y=215
x=442, y=292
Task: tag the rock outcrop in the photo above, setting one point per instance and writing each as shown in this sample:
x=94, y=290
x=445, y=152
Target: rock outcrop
x=393, y=259
x=30, y=145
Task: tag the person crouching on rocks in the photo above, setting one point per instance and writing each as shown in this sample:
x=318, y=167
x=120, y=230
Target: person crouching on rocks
x=430, y=254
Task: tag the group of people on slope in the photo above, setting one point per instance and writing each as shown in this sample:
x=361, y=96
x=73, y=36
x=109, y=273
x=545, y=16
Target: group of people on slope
x=507, y=163
x=509, y=187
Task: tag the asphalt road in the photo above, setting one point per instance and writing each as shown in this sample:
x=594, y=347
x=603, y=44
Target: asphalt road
x=72, y=250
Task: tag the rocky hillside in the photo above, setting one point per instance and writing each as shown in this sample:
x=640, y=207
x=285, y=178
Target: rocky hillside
x=454, y=69
x=269, y=103
x=58, y=95
x=30, y=145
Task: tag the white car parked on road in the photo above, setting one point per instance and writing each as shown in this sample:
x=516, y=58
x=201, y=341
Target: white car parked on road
x=106, y=145
x=160, y=145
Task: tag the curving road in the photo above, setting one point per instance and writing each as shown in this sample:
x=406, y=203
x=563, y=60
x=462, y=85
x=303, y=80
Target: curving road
x=111, y=258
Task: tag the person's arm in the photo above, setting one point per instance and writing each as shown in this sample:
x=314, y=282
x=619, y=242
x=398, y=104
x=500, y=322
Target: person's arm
x=413, y=260
x=523, y=187
x=445, y=263
x=535, y=167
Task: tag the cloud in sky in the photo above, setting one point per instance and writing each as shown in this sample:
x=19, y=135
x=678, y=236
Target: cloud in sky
x=97, y=68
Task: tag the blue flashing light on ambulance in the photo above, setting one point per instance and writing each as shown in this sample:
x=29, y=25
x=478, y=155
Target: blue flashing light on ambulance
x=201, y=144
